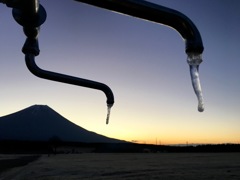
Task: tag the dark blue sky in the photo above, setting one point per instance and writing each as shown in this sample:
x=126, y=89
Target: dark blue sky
x=144, y=64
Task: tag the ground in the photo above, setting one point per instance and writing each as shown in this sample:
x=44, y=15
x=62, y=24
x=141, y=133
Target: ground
x=129, y=166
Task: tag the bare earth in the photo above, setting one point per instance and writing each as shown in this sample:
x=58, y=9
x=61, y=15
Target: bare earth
x=135, y=166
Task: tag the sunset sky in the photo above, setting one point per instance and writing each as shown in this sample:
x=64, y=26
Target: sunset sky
x=142, y=62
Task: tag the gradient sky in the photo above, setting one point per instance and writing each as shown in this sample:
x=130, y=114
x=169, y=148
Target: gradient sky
x=142, y=62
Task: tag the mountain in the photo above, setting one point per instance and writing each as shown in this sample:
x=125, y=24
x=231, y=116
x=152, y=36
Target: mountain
x=40, y=123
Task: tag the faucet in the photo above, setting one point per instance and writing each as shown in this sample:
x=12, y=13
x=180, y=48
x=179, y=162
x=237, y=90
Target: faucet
x=169, y=17
x=31, y=15
x=158, y=14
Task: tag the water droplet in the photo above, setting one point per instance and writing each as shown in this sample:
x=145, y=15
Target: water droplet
x=194, y=61
x=109, y=106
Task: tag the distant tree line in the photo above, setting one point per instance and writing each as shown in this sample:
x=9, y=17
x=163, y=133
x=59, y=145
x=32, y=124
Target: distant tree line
x=51, y=146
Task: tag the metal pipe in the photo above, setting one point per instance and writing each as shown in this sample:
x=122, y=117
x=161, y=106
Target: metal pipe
x=156, y=13
x=32, y=66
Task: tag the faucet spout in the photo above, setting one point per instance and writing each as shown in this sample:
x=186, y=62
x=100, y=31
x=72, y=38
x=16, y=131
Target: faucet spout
x=159, y=14
x=37, y=71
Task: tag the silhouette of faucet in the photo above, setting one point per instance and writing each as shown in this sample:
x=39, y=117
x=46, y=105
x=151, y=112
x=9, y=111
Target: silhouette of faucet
x=162, y=15
x=31, y=15
x=156, y=13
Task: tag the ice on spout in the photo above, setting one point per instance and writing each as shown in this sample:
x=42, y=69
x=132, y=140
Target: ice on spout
x=194, y=61
x=109, y=106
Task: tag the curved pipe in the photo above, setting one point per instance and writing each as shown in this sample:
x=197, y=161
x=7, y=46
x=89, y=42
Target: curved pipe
x=32, y=66
x=156, y=13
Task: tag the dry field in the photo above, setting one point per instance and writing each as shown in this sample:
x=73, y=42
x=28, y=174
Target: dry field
x=105, y=166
